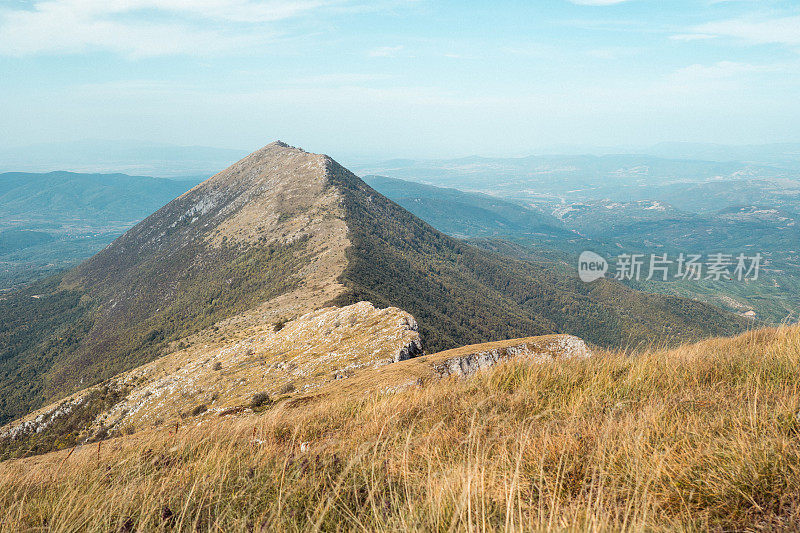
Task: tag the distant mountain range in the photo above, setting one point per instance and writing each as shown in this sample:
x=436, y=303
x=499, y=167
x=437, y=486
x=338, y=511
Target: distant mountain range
x=464, y=214
x=768, y=154
x=192, y=162
x=760, y=153
x=554, y=178
x=59, y=197
x=130, y=157
x=51, y=221
x=732, y=216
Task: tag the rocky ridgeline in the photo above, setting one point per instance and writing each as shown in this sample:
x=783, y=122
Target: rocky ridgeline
x=303, y=354
x=388, y=335
x=43, y=420
x=353, y=349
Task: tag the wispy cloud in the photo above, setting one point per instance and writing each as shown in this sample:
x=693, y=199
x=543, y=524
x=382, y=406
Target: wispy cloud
x=722, y=76
x=723, y=69
x=143, y=27
x=691, y=37
x=613, y=52
x=776, y=30
x=386, y=51
x=538, y=50
x=597, y=2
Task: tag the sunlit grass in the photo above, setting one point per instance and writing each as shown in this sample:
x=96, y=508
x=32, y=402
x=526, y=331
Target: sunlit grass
x=701, y=437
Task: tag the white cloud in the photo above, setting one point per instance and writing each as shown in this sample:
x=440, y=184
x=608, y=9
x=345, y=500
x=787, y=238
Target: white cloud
x=386, y=51
x=722, y=69
x=722, y=77
x=597, y=2
x=602, y=53
x=531, y=50
x=614, y=52
x=780, y=30
x=691, y=37
x=342, y=79
x=171, y=26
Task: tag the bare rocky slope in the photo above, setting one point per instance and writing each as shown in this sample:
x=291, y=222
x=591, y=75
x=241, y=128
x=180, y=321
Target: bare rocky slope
x=280, y=234
x=214, y=377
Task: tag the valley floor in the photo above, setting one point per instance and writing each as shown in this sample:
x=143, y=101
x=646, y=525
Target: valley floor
x=702, y=437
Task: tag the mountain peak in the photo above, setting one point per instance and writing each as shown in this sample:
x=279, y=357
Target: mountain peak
x=276, y=169
x=278, y=147
x=280, y=143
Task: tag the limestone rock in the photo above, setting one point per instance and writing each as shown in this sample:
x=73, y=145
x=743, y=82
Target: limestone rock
x=468, y=360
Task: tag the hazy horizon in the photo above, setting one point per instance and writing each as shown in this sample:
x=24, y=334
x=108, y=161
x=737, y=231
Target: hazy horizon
x=400, y=78
x=138, y=157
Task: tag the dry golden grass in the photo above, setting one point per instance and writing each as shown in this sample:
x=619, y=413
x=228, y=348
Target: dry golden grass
x=702, y=437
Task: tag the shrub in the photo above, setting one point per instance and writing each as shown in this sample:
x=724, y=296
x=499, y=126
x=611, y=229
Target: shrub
x=101, y=434
x=288, y=388
x=260, y=399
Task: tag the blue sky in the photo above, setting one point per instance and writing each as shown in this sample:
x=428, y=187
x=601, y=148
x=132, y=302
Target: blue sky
x=391, y=78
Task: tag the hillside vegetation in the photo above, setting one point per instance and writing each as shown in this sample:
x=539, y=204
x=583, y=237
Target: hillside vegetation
x=52, y=342
x=702, y=437
x=467, y=214
x=215, y=375
x=460, y=294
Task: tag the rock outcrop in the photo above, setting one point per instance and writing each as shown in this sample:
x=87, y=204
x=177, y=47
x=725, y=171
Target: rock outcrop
x=468, y=360
x=458, y=363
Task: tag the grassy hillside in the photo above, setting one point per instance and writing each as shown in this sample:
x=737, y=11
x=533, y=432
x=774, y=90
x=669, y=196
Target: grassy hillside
x=462, y=295
x=214, y=376
x=698, y=438
x=52, y=341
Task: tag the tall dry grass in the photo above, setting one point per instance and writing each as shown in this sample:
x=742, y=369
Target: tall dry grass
x=702, y=437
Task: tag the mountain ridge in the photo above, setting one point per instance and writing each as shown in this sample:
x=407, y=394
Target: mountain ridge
x=281, y=233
